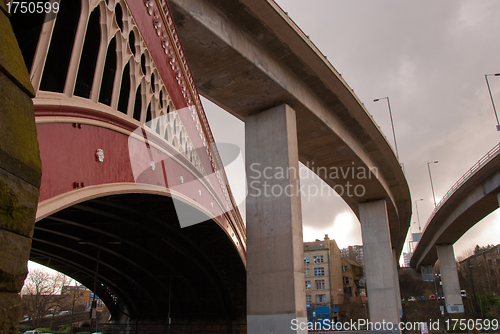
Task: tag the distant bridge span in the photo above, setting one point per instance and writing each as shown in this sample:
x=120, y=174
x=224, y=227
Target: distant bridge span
x=474, y=196
x=470, y=199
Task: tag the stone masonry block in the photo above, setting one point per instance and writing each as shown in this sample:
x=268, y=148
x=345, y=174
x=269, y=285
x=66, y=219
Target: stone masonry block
x=19, y=152
x=18, y=204
x=10, y=311
x=14, y=255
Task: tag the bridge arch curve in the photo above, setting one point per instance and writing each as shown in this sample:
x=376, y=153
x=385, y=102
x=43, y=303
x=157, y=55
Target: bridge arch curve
x=96, y=218
x=130, y=240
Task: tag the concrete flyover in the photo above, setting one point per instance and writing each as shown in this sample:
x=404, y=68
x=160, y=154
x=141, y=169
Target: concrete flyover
x=470, y=199
x=250, y=58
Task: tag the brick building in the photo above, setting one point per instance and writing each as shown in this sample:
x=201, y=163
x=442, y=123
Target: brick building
x=352, y=279
x=323, y=275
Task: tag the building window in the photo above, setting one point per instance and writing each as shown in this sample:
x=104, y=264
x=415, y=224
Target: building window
x=344, y=269
x=320, y=284
x=348, y=291
x=306, y=259
x=308, y=272
x=308, y=285
x=308, y=299
x=319, y=271
x=320, y=298
x=345, y=280
x=318, y=259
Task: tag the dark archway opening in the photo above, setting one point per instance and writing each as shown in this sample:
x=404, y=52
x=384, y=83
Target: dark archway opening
x=90, y=51
x=108, y=77
x=142, y=250
x=61, y=46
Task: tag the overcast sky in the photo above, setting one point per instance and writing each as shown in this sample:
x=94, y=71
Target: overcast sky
x=429, y=58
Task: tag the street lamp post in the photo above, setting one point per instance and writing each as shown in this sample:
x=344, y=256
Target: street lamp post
x=392, y=123
x=418, y=217
x=98, y=244
x=430, y=177
x=491, y=97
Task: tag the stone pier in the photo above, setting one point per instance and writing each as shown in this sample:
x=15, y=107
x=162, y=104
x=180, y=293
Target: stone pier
x=275, y=255
x=20, y=174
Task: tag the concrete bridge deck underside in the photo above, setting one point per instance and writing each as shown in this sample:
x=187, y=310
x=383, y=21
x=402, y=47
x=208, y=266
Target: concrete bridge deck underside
x=248, y=56
x=470, y=203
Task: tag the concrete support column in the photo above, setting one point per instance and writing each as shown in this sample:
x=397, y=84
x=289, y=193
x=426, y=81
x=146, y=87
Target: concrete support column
x=396, y=282
x=379, y=263
x=498, y=199
x=449, y=277
x=275, y=255
x=20, y=174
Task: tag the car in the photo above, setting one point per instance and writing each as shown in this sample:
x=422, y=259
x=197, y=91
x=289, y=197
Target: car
x=64, y=313
x=412, y=299
x=441, y=298
x=432, y=297
x=403, y=299
x=463, y=293
x=421, y=299
x=33, y=332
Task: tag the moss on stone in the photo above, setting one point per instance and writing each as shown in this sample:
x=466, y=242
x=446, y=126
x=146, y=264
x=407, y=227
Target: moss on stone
x=10, y=311
x=18, y=204
x=14, y=255
x=19, y=152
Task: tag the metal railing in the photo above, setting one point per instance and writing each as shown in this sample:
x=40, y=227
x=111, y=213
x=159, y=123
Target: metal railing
x=467, y=175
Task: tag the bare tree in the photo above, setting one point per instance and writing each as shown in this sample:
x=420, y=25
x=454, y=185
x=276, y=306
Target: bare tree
x=41, y=292
x=466, y=253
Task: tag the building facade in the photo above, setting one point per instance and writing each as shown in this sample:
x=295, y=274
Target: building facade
x=352, y=280
x=481, y=271
x=407, y=258
x=354, y=253
x=323, y=275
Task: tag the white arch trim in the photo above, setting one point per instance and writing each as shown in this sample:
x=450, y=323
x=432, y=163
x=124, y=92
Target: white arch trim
x=65, y=200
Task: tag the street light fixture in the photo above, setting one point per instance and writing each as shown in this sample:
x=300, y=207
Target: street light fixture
x=491, y=96
x=430, y=177
x=392, y=123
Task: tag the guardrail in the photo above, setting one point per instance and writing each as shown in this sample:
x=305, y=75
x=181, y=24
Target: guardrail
x=467, y=175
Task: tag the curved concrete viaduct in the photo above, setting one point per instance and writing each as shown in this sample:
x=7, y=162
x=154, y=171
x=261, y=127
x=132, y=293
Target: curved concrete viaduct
x=472, y=197
x=250, y=58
